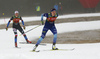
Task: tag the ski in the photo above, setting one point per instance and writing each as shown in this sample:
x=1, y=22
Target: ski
x=60, y=50
x=31, y=43
x=25, y=43
x=55, y=50
x=35, y=51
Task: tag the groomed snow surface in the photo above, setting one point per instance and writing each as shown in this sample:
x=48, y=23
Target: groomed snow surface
x=82, y=51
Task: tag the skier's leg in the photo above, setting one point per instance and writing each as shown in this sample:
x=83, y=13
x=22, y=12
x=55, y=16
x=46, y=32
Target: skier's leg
x=26, y=38
x=54, y=39
x=15, y=32
x=54, y=31
x=21, y=30
x=41, y=38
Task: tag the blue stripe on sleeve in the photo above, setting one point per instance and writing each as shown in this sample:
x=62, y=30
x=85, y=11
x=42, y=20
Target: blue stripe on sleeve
x=42, y=17
x=45, y=14
x=8, y=23
x=22, y=22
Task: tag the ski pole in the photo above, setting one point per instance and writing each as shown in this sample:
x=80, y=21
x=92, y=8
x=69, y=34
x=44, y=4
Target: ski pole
x=30, y=29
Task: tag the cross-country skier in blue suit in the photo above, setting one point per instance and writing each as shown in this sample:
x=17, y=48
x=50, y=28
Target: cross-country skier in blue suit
x=49, y=25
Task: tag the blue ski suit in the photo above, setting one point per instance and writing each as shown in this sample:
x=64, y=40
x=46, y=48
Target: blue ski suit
x=49, y=25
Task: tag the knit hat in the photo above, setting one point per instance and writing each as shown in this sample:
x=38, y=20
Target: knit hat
x=16, y=12
x=53, y=9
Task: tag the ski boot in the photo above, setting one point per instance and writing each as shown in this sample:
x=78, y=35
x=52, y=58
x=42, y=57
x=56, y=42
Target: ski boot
x=54, y=47
x=34, y=48
x=28, y=41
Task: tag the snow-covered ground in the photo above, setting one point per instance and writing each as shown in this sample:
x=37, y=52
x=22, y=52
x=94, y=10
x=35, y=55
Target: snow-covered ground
x=82, y=51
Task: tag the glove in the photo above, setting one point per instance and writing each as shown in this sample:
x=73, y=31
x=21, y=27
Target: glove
x=6, y=28
x=42, y=22
x=24, y=27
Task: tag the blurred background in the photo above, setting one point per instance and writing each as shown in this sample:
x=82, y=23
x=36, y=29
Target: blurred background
x=37, y=7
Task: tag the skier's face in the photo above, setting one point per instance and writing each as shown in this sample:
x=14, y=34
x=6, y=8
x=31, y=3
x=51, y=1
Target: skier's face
x=53, y=13
x=16, y=14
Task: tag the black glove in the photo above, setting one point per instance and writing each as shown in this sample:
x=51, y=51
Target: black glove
x=42, y=22
x=24, y=27
x=6, y=28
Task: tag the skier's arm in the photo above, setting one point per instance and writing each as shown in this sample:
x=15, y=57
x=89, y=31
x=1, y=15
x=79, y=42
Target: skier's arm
x=8, y=23
x=22, y=22
x=42, y=19
x=45, y=14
